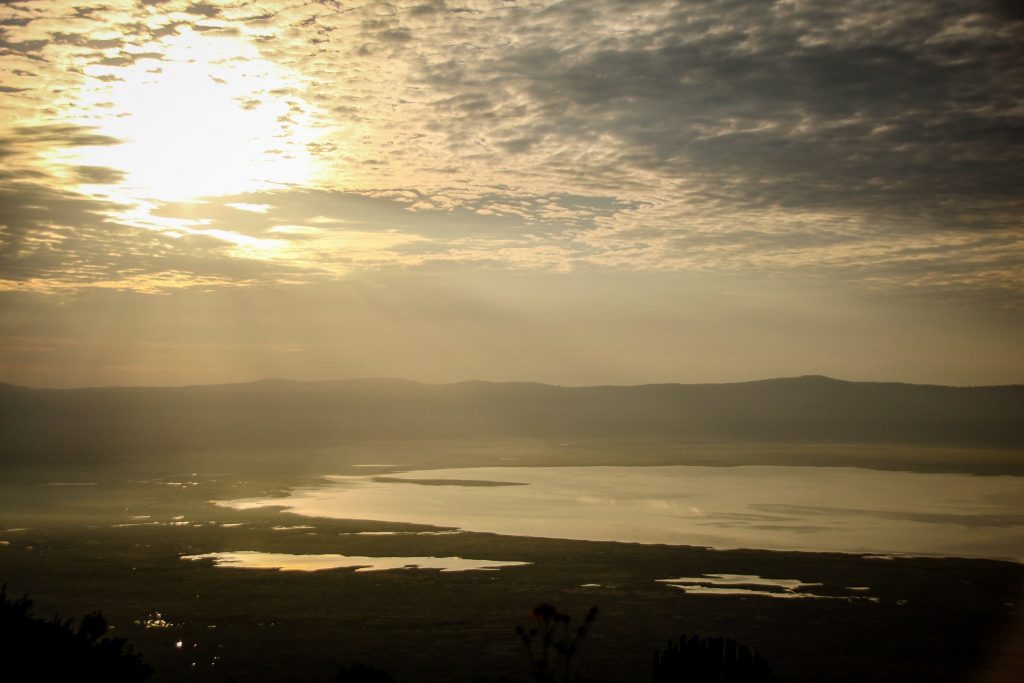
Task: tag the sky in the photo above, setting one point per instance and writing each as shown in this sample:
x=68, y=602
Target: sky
x=585, y=192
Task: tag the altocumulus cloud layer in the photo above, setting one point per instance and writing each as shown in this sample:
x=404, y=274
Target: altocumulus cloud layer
x=158, y=145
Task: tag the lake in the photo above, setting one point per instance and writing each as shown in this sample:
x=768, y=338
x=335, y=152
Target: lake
x=838, y=509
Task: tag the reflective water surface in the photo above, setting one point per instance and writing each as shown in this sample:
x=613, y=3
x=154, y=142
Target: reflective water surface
x=251, y=559
x=776, y=508
x=747, y=584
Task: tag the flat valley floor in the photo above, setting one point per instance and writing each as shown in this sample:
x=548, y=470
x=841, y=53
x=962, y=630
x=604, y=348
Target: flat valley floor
x=112, y=539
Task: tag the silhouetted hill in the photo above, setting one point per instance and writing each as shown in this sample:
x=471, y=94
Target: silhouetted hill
x=272, y=413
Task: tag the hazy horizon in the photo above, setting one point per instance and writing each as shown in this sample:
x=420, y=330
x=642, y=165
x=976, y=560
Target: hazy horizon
x=473, y=380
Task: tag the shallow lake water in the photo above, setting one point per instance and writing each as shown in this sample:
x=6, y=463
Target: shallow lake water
x=251, y=559
x=748, y=584
x=776, y=508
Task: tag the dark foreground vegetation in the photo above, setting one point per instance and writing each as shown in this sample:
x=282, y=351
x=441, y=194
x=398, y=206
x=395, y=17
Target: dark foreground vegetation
x=552, y=642
x=54, y=650
x=696, y=659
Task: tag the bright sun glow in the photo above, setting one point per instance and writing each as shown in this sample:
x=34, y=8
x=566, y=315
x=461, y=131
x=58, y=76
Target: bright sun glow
x=211, y=117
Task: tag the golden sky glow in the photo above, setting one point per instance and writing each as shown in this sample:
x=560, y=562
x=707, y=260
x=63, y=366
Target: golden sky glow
x=203, y=120
x=193, y=116
x=298, y=147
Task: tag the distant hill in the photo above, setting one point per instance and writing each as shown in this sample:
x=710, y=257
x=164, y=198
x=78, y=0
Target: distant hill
x=36, y=423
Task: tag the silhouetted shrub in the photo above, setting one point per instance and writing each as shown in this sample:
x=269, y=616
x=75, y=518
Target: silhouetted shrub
x=360, y=673
x=54, y=650
x=709, y=660
x=551, y=645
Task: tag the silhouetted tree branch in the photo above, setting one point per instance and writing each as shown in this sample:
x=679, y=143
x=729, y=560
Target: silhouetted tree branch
x=551, y=645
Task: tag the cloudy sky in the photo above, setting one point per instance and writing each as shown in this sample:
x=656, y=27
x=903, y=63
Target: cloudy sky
x=581, y=192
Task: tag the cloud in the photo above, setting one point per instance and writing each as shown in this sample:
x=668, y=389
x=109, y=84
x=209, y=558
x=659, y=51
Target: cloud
x=62, y=135
x=58, y=241
x=203, y=9
x=865, y=141
x=98, y=175
x=784, y=104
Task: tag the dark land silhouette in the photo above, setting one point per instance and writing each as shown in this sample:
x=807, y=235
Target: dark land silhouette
x=107, y=422
x=32, y=648
x=552, y=640
x=362, y=673
x=698, y=659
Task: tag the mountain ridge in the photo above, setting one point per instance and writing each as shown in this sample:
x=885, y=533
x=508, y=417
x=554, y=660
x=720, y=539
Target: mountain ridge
x=95, y=422
x=281, y=381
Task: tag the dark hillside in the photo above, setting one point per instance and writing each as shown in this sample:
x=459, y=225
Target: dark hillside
x=43, y=423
